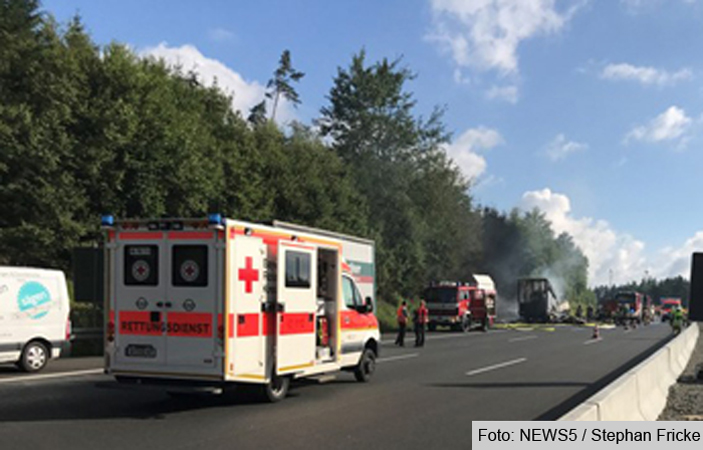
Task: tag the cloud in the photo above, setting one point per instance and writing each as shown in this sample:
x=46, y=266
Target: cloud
x=672, y=125
x=560, y=147
x=644, y=75
x=505, y=93
x=486, y=34
x=677, y=261
x=463, y=151
x=220, y=35
x=605, y=248
x=245, y=94
x=635, y=6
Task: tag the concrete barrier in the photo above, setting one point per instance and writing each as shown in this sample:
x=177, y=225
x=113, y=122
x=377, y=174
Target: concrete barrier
x=641, y=393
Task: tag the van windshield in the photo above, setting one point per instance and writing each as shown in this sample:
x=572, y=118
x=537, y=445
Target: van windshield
x=441, y=295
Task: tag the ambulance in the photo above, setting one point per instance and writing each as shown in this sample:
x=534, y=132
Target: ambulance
x=223, y=303
x=34, y=316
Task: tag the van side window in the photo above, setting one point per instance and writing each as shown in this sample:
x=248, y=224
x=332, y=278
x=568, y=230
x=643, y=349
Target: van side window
x=297, y=269
x=189, y=265
x=349, y=293
x=141, y=265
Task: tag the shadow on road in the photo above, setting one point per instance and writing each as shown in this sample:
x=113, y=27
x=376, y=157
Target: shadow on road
x=539, y=384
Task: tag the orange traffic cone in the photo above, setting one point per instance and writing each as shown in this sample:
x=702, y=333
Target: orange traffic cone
x=596, y=332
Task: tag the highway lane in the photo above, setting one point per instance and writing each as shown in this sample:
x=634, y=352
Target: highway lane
x=418, y=398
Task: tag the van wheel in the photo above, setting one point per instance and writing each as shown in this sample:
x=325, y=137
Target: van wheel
x=275, y=389
x=366, y=367
x=34, y=357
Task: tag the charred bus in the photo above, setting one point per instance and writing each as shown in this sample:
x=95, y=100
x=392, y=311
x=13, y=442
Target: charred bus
x=536, y=299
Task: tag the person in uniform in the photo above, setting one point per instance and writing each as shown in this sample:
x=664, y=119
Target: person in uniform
x=402, y=318
x=421, y=319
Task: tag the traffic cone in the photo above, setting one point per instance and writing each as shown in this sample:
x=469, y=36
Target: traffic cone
x=596, y=332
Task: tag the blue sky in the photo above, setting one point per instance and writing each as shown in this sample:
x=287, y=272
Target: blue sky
x=591, y=110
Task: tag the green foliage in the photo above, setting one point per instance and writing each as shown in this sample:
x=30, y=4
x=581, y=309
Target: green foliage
x=419, y=209
x=86, y=130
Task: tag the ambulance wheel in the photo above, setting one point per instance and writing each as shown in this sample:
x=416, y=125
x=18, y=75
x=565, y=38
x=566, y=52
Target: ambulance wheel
x=34, y=357
x=275, y=389
x=366, y=367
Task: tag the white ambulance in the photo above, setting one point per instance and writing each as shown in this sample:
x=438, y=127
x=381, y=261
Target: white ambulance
x=34, y=316
x=219, y=302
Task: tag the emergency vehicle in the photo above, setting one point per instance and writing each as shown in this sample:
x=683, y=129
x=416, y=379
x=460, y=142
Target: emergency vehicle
x=668, y=305
x=461, y=305
x=34, y=316
x=220, y=303
x=631, y=307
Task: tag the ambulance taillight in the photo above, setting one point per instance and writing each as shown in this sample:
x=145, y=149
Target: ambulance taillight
x=68, y=329
x=111, y=331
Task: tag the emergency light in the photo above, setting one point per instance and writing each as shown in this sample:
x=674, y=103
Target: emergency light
x=107, y=221
x=214, y=219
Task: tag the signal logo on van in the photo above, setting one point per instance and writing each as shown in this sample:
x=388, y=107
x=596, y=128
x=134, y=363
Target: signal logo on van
x=31, y=297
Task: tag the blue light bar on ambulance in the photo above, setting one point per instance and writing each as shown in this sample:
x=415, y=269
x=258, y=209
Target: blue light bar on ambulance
x=107, y=221
x=214, y=219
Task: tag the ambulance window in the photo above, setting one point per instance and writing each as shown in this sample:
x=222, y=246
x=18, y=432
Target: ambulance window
x=350, y=296
x=141, y=265
x=297, y=269
x=189, y=265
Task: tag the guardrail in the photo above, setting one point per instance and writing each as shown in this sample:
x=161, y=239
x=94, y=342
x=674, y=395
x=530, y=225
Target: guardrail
x=641, y=393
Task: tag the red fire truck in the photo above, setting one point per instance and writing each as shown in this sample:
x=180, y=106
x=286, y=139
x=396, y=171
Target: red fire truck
x=461, y=305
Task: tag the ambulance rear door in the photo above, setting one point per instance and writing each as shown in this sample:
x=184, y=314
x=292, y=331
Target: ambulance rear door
x=139, y=296
x=296, y=305
x=194, y=275
x=247, y=296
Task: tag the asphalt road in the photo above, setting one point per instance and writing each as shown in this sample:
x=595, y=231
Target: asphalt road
x=419, y=398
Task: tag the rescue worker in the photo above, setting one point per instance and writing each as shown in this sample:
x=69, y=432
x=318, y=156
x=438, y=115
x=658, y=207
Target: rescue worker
x=677, y=320
x=402, y=318
x=421, y=318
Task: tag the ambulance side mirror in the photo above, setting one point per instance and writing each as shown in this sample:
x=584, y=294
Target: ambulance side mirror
x=368, y=305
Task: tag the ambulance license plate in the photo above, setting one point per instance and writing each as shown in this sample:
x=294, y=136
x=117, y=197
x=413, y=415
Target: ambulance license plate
x=140, y=351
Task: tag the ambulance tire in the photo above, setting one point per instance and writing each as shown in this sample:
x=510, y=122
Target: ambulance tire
x=34, y=357
x=275, y=389
x=366, y=367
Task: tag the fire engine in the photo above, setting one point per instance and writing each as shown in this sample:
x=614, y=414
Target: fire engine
x=461, y=305
x=223, y=303
x=631, y=307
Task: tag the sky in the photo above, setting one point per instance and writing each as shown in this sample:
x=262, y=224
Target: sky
x=591, y=110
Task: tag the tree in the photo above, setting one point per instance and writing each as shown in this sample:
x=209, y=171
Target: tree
x=281, y=83
x=257, y=114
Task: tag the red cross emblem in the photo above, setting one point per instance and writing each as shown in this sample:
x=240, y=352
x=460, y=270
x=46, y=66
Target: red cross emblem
x=140, y=270
x=190, y=270
x=248, y=274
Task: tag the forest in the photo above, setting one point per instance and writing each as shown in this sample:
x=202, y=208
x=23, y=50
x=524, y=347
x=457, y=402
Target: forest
x=88, y=129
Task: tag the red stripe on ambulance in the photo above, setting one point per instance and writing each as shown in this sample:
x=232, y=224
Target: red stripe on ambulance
x=297, y=323
x=186, y=235
x=183, y=324
x=140, y=235
x=138, y=323
x=248, y=325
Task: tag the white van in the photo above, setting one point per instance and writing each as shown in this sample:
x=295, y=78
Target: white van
x=34, y=316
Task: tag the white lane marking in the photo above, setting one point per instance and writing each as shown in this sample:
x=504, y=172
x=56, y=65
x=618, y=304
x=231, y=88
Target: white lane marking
x=411, y=336
x=496, y=366
x=396, y=358
x=592, y=341
x=526, y=338
x=52, y=375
